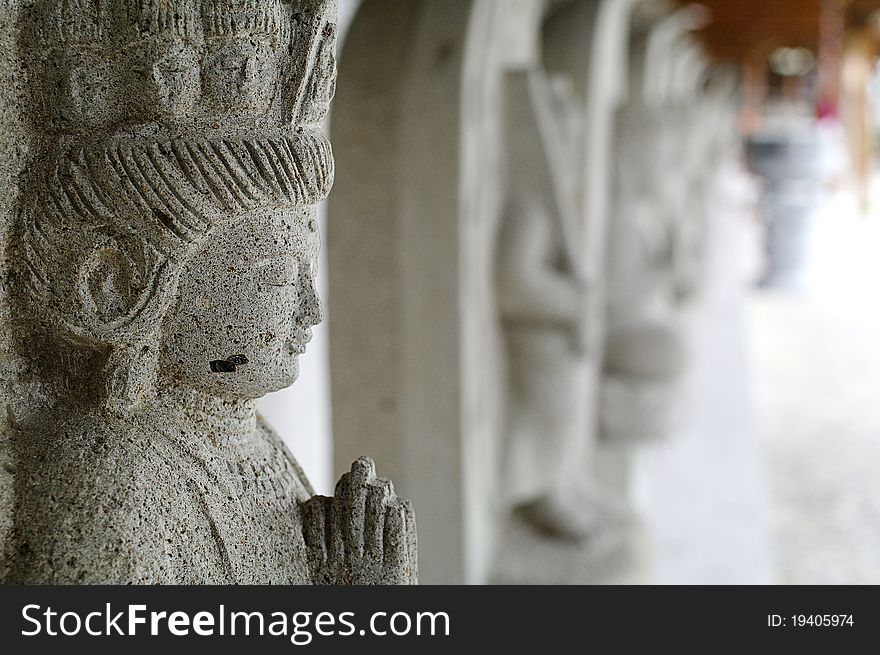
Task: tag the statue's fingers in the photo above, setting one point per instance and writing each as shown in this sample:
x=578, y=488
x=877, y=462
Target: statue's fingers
x=353, y=529
x=354, y=498
x=343, y=487
x=411, y=536
x=333, y=536
x=314, y=530
x=379, y=493
x=395, y=547
x=362, y=471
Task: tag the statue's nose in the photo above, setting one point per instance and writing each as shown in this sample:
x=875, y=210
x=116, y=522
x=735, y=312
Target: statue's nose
x=311, y=312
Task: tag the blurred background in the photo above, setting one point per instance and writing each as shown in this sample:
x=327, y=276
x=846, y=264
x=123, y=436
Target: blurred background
x=809, y=123
x=772, y=474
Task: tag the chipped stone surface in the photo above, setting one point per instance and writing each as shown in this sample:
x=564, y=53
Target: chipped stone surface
x=162, y=277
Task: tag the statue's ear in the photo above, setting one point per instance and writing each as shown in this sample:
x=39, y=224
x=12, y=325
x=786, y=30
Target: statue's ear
x=106, y=284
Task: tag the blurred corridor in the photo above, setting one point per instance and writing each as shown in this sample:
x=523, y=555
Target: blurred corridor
x=773, y=477
x=817, y=385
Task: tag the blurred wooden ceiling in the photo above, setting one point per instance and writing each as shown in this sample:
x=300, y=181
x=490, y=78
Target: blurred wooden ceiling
x=740, y=28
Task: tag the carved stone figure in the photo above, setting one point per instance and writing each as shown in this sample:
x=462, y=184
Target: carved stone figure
x=543, y=300
x=658, y=238
x=653, y=252
x=164, y=278
x=645, y=345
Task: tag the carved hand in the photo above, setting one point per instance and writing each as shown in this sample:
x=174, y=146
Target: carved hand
x=364, y=534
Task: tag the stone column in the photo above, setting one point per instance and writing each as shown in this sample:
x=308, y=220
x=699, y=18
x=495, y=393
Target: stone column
x=162, y=258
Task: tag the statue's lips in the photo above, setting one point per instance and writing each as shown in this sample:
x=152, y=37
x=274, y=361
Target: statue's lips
x=298, y=342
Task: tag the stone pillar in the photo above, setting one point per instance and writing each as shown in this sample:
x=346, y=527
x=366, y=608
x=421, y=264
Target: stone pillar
x=162, y=258
x=415, y=340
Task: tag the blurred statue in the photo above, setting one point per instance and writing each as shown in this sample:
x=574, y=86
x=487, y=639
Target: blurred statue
x=165, y=258
x=645, y=351
x=543, y=303
x=657, y=238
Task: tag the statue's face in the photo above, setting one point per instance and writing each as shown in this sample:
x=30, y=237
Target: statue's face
x=239, y=73
x=246, y=304
x=322, y=88
x=83, y=87
x=167, y=77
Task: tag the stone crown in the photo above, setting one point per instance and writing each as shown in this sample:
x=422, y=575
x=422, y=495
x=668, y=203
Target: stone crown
x=178, y=17
x=230, y=17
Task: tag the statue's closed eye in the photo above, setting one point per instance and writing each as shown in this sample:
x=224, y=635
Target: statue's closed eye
x=280, y=272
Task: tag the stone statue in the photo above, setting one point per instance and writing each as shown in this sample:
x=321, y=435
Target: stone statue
x=645, y=350
x=659, y=235
x=164, y=278
x=543, y=303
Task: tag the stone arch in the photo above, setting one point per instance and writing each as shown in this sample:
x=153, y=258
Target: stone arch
x=414, y=336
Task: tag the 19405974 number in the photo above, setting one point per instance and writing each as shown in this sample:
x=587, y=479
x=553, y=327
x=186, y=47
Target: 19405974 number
x=822, y=620
x=811, y=621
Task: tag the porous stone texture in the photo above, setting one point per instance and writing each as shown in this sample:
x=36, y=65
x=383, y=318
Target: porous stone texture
x=13, y=146
x=162, y=277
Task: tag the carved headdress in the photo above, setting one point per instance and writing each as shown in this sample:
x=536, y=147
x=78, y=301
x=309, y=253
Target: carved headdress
x=232, y=17
x=179, y=17
x=122, y=212
x=76, y=22
x=315, y=33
